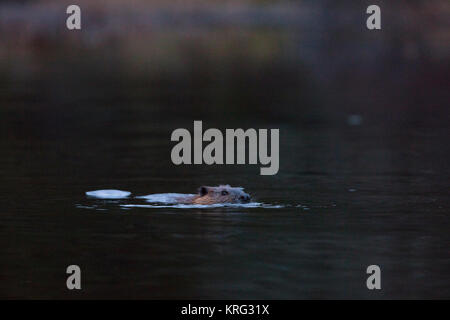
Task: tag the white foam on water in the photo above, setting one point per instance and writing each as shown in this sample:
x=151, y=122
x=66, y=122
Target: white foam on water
x=202, y=206
x=108, y=194
x=172, y=198
x=85, y=207
x=164, y=197
x=167, y=200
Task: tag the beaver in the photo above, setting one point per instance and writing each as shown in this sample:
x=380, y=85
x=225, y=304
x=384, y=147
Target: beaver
x=213, y=195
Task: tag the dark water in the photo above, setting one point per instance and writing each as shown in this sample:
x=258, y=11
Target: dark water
x=369, y=194
x=95, y=109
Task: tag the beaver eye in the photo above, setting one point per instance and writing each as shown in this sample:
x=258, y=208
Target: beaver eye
x=224, y=193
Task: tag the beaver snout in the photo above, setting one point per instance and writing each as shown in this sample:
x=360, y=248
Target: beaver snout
x=245, y=198
x=220, y=194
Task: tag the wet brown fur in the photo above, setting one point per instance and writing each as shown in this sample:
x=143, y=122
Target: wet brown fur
x=220, y=194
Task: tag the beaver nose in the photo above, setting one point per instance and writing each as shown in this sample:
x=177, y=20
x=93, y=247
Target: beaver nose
x=245, y=198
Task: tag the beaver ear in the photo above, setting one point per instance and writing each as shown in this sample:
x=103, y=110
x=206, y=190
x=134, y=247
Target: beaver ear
x=203, y=190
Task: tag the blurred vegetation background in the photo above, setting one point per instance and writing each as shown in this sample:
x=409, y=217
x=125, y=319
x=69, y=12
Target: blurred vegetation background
x=289, y=60
x=140, y=69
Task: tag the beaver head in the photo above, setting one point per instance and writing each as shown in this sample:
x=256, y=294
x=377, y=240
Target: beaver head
x=221, y=194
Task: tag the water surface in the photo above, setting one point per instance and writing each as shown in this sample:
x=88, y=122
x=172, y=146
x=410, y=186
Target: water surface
x=345, y=197
x=364, y=158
